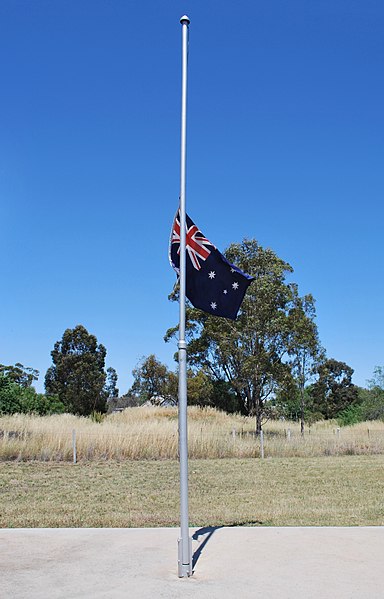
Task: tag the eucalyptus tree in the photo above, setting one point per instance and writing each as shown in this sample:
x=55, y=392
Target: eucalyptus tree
x=151, y=378
x=111, y=390
x=334, y=391
x=251, y=353
x=24, y=376
x=373, y=397
x=77, y=375
x=305, y=351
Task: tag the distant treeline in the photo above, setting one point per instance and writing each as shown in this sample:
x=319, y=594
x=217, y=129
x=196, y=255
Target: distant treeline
x=268, y=363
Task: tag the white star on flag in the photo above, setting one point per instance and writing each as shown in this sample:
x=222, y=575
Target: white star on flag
x=225, y=291
x=213, y=305
x=212, y=274
x=235, y=285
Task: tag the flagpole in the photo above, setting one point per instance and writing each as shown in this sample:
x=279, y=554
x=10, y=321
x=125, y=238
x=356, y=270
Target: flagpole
x=185, y=542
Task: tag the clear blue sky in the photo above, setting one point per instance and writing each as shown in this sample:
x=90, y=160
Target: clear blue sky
x=285, y=144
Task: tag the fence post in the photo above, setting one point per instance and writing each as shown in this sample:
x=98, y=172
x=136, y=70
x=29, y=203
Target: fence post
x=74, y=446
x=262, y=444
x=338, y=433
x=289, y=434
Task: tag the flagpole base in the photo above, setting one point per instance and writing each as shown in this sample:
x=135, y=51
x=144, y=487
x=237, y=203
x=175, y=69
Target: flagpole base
x=184, y=569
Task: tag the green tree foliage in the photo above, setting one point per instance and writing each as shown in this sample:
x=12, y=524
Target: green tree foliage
x=305, y=351
x=16, y=398
x=16, y=393
x=352, y=414
x=151, y=378
x=77, y=375
x=19, y=374
x=223, y=397
x=250, y=354
x=334, y=391
x=199, y=389
x=111, y=389
x=10, y=396
x=372, y=406
x=377, y=381
x=289, y=402
x=286, y=400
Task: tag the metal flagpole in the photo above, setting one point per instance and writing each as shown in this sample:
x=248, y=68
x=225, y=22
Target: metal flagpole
x=185, y=542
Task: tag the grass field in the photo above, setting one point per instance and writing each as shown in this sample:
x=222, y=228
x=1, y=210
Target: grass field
x=127, y=473
x=152, y=433
x=322, y=491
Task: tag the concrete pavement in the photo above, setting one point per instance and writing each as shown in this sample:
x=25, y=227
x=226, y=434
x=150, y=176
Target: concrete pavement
x=268, y=563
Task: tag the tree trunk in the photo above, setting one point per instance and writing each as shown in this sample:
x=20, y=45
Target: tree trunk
x=242, y=402
x=302, y=396
x=257, y=403
x=302, y=403
x=258, y=421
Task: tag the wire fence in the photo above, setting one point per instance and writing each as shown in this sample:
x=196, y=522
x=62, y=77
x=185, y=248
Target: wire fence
x=162, y=443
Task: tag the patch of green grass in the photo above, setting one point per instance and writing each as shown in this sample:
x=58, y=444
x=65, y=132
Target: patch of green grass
x=325, y=491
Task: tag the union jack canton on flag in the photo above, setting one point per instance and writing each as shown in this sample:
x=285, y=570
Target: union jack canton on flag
x=212, y=283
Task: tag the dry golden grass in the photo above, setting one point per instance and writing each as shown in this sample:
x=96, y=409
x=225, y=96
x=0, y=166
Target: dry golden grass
x=152, y=433
x=326, y=491
x=128, y=474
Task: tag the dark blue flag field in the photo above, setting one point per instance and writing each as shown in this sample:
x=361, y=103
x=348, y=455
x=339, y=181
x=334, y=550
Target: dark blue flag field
x=212, y=283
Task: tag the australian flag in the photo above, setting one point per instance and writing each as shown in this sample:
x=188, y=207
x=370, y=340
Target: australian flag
x=212, y=283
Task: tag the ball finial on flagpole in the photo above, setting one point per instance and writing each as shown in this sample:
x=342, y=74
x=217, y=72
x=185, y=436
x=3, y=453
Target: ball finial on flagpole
x=185, y=19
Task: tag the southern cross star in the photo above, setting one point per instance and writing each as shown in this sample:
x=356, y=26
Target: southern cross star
x=212, y=274
x=235, y=285
x=213, y=305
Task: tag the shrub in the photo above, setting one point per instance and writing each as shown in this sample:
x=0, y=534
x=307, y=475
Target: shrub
x=351, y=415
x=97, y=417
x=10, y=396
x=17, y=399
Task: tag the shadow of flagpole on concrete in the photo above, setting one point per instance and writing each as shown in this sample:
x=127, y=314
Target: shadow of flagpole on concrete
x=207, y=531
